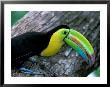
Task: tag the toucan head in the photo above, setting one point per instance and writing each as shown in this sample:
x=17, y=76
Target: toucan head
x=79, y=43
x=62, y=33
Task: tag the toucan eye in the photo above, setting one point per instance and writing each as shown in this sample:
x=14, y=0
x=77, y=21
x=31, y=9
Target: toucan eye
x=65, y=32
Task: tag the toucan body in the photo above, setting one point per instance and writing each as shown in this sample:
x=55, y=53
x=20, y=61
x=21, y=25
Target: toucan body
x=48, y=44
x=35, y=43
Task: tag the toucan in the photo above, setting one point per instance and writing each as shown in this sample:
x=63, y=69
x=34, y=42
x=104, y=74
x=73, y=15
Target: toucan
x=48, y=44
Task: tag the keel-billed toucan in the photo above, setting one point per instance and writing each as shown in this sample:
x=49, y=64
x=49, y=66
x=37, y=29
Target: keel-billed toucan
x=48, y=44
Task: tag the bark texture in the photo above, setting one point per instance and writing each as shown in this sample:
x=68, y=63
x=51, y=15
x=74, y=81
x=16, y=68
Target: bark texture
x=67, y=63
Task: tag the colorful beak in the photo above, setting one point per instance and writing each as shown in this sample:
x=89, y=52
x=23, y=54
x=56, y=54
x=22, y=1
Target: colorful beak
x=80, y=44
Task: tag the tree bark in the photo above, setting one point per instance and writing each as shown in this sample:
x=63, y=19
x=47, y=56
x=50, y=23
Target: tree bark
x=67, y=62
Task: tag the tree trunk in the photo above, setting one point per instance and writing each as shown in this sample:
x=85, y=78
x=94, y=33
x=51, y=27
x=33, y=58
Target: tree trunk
x=67, y=62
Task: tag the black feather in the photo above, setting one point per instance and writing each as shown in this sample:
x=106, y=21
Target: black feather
x=29, y=44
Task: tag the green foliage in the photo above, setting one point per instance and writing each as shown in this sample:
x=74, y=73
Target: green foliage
x=16, y=15
x=97, y=72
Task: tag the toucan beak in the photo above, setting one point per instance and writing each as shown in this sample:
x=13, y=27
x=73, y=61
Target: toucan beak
x=80, y=44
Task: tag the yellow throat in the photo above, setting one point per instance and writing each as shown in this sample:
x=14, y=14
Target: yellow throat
x=54, y=45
